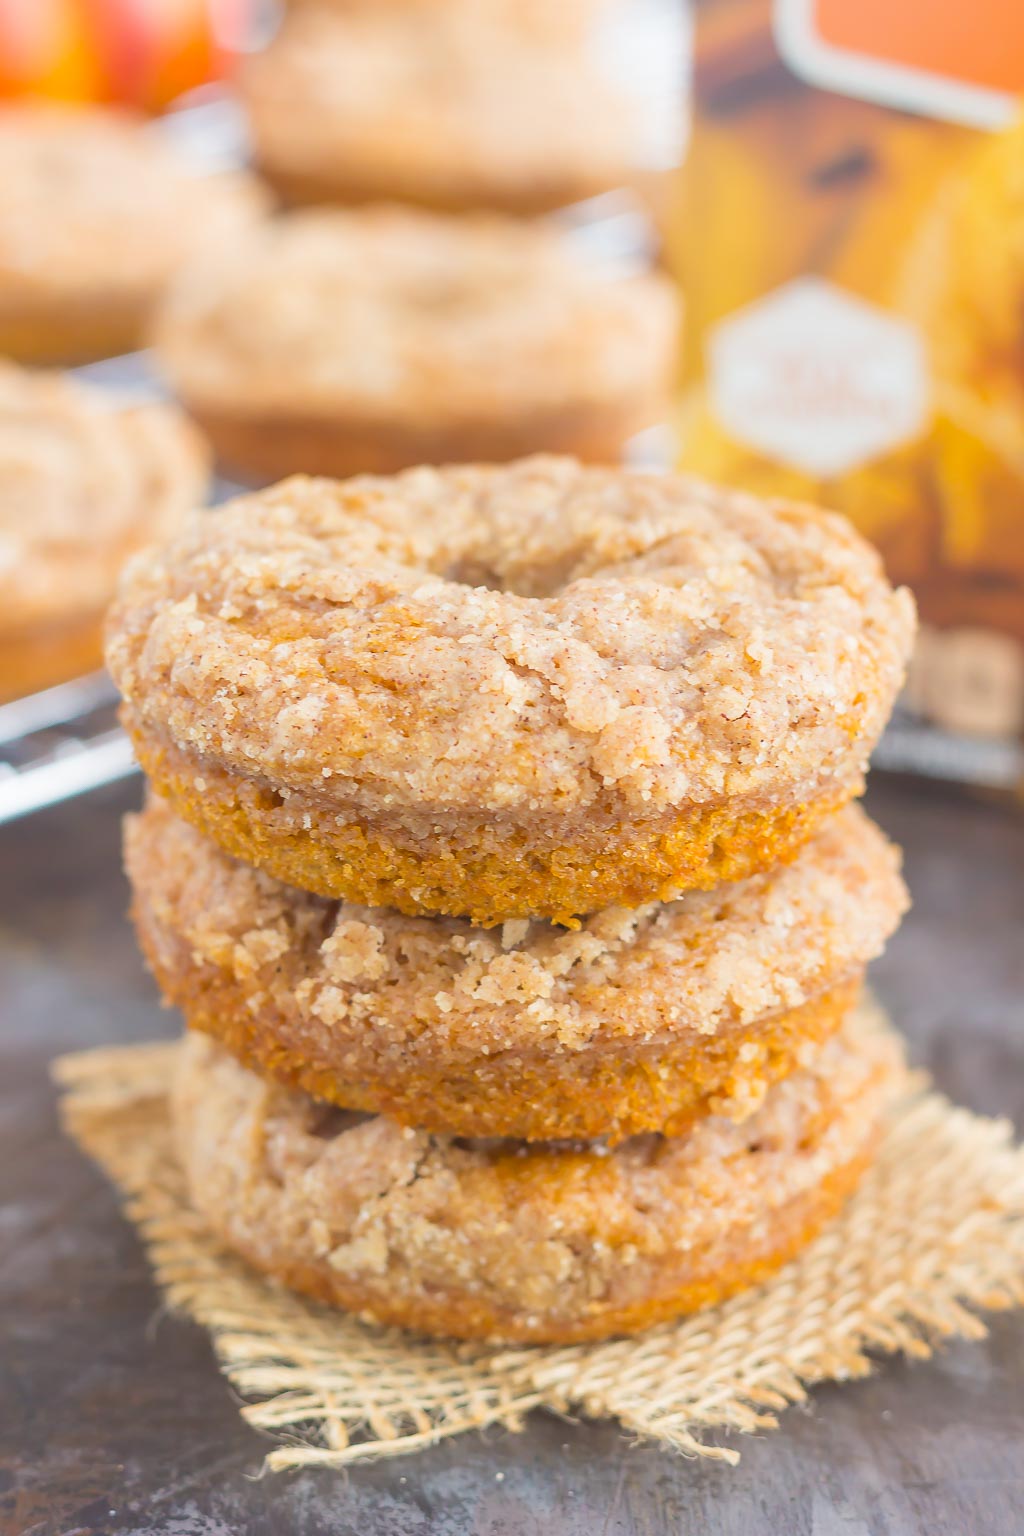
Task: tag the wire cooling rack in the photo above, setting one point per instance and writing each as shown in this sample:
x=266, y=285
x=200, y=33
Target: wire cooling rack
x=59, y=743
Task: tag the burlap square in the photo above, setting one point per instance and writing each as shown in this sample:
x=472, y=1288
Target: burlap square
x=936, y=1231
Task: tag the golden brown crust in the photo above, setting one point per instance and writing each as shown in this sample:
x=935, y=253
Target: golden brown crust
x=639, y=1021
x=267, y=447
x=586, y=1096
x=345, y=184
x=487, y=874
x=530, y=690
x=54, y=331
x=503, y=1240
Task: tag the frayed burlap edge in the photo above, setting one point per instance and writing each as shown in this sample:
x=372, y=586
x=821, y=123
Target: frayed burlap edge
x=935, y=1232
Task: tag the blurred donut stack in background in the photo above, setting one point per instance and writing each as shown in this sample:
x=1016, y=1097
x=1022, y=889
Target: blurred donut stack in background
x=500, y=855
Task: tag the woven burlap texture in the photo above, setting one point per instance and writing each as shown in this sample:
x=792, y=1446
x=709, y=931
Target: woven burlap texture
x=936, y=1231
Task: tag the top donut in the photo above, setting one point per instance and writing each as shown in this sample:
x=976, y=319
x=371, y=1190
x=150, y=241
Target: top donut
x=497, y=692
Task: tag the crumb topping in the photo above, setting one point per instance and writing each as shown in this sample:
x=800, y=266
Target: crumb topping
x=528, y=640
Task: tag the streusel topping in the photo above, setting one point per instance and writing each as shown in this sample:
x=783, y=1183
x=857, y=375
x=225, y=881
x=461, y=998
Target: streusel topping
x=519, y=639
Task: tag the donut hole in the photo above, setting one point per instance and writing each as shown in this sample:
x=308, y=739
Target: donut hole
x=471, y=573
x=327, y=1121
x=540, y=579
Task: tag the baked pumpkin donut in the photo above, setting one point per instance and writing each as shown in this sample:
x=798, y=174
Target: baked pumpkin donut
x=84, y=482
x=97, y=212
x=448, y=107
x=372, y=339
x=517, y=1241
x=528, y=691
x=641, y=1020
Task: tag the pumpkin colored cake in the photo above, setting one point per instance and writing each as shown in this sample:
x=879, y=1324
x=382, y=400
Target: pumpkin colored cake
x=638, y=1021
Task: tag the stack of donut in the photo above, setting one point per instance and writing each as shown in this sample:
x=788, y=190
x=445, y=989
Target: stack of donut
x=500, y=856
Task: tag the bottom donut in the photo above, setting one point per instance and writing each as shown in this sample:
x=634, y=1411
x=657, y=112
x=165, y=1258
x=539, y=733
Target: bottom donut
x=526, y=1242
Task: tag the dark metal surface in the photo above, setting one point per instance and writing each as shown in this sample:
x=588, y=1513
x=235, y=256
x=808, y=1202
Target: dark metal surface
x=114, y=1419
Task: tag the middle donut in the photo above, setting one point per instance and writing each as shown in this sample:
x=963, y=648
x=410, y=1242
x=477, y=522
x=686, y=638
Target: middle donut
x=639, y=1021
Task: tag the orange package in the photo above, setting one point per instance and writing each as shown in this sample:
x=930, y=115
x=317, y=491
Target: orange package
x=848, y=230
